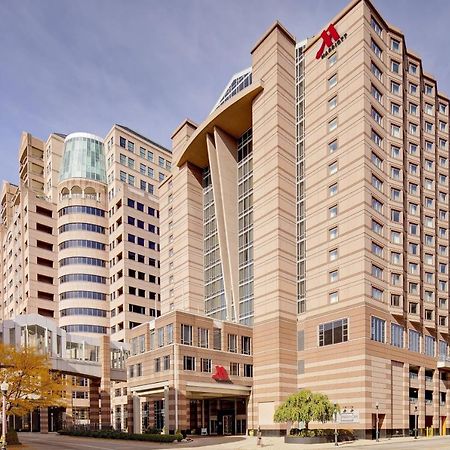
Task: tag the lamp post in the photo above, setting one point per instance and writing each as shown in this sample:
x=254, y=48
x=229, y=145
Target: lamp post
x=377, y=424
x=416, y=416
x=4, y=388
x=335, y=426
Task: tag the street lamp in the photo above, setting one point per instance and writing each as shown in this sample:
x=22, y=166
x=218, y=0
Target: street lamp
x=377, y=424
x=4, y=388
x=416, y=416
x=335, y=426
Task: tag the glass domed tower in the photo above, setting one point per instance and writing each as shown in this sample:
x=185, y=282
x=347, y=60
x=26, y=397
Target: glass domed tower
x=82, y=236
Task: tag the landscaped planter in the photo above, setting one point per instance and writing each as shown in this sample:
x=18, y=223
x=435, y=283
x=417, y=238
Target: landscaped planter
x=306, y=440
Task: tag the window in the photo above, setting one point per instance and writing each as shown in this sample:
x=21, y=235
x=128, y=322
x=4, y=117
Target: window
x=442, y=161
x=333, y=332
x=376, y=160
x=334, y=276
x=232, y=343
x=122, y=142
x=395, y=109
x=442, y=143
x=203, y=335
x=395, y=88
x=332, y=124
x=377, y=294
x=395, y=173
x=377, y=116
x=205, y=365
x=333, y=255
x=333, y=189
x=332, y=146
x=395, y=151
x=396, y=280
x=395, y=45
x=377, y=332
x=412, y=88
x=395, y=215
x=413, y=248
x=234, y=369
x=413, y=128
x=429, y=146
x=413, y=288
x=396, y=237
x=413, y=188
x=413, y=209
x=413, y=109
x=377, y=227
x=376, y=138
x=246, y=345
x=414, y=341
x=395, y=66
x=376, y=94
x=428, y=89
x=376, y=49
x=413, y=268
x=376, y=26
x=395, y=258
x=395, y=300
x=412, y=149
x=377, y=183
x=429, y=277
x=333, y=233
x=188, y=363
x=397, y=333
x=332, y=59
x=429, y=345
x=377, y=249
x=412, y=69
x=377, y=205
x=376, y=71
x=332, y=81
x=332, y=168
x=332, y=103
x=377, y=272
x=395, y=131
x=428, y=127
x=333, y=212
x=186, y=334
x=130, y=146
x=333, y=297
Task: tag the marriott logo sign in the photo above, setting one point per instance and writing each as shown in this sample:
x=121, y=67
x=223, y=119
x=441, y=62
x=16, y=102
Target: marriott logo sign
x=330, y=40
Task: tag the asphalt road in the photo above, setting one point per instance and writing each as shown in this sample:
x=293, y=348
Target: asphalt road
x=37, y=441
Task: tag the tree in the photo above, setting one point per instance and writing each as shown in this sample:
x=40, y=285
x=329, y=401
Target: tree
x=305, y=406
x=31, y=382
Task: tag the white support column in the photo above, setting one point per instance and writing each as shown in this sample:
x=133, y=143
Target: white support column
x=137, y=420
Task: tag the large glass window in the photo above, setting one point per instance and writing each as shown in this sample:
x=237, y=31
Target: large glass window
x=378, y=329
x=333, y=332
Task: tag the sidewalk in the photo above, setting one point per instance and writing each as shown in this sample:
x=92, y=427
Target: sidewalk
x=276, y=443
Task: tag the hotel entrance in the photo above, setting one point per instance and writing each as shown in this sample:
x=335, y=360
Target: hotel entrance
x=223, y=417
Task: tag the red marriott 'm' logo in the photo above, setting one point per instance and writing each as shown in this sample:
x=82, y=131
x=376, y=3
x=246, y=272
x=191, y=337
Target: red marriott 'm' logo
x=220, y=374
x=328, y=36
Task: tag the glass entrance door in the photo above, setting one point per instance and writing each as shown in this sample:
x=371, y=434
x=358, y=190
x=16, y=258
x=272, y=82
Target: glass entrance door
x=227, y=424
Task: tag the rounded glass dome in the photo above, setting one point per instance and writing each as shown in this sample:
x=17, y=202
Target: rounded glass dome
x=83, y=157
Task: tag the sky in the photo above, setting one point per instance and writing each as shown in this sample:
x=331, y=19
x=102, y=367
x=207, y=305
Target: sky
x=83, y=65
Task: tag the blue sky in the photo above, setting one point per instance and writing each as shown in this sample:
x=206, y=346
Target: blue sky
x=83, y=65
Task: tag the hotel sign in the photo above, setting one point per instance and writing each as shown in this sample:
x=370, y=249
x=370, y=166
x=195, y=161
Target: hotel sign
x=330, y=40
x=220, y=374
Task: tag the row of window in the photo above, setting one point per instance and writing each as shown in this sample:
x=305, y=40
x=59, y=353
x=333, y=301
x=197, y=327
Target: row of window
x=83, y=312
x=142, y=242
x=143, y=153
x=141, y=207
x=82, y=277
x=81, y=226
x=142, y=225
x=82, y=243
x=83, y=328
x=416, y=342
x=141, y=259
x=189, y=363
x=131, y=180
x=82, y=294
x=73, y=260
x=81, y=209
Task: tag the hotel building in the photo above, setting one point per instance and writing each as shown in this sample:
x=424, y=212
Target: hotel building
x=311, y=207
x=304, y=241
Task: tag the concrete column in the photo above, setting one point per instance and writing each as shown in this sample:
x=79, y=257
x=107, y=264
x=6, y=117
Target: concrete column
x=44, y=420
x=105, y=382
x=166, y=409
x=407, y=407
x=421, y=401
x=137, y=419
x=274, y=225
x=94, y=409
x=436, y=403
x=130, y=415
x=105, y=415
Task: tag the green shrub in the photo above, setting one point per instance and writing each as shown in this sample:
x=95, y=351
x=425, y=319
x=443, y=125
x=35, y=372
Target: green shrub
x=111, y=434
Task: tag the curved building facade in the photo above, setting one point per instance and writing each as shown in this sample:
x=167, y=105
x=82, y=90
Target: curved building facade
x=82, y=224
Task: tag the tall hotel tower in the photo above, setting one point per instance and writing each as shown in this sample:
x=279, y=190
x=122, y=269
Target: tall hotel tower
x=311, y=207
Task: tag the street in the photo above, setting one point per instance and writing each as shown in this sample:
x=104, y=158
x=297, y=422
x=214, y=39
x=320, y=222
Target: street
x=37, y=441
